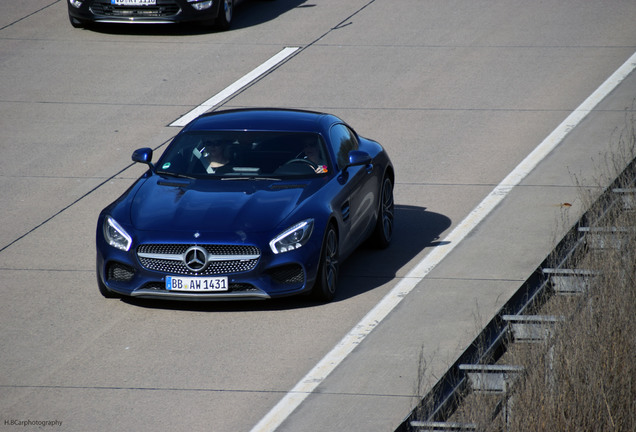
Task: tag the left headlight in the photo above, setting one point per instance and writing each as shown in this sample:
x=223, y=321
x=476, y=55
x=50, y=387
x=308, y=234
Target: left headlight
x=293, y=238
x=76, y=3
x=115, y=235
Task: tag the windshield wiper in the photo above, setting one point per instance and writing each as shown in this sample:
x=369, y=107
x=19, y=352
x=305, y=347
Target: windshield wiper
x=170, y=174
x=251, y=178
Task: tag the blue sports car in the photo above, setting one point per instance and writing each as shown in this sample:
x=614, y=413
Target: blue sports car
x=247, y=204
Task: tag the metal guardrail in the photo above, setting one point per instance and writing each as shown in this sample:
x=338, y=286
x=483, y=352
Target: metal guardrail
x=475, y=367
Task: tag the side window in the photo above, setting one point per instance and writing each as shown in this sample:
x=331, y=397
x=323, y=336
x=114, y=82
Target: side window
x=343, y=141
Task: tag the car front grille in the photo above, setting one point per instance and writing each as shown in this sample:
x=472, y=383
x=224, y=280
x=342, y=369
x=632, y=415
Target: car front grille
x=164, y=8
x=222, y=259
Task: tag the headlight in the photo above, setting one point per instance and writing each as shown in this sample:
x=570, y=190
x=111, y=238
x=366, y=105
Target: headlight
x=293, y=238
x=76, y=3
x=115, y=235
x=200, y=5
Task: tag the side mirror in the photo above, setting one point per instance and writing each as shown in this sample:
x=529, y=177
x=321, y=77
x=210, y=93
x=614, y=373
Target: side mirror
x=143, y=155
x=358, y=157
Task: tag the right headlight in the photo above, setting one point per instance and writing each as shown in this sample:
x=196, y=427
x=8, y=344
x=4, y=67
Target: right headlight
x=115, y=235
x=200, y=5
x=292, y=238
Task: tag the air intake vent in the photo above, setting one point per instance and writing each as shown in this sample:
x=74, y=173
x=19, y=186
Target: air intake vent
x=346, y=210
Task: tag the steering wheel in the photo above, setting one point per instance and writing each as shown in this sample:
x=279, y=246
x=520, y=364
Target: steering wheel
x=298, y=160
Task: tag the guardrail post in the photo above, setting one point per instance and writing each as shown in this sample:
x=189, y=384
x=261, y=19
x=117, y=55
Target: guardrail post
x=628, y=197
x=570, y=281
x=424, y=426
x=531, y=328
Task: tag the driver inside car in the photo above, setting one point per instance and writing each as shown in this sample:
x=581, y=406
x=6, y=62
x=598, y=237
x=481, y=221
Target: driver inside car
x=313, y=153
x=212, y=155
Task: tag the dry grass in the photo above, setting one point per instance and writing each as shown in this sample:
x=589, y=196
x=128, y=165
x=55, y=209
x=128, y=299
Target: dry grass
x=583, y=376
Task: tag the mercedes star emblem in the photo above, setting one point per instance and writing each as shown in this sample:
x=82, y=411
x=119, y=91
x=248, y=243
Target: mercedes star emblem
x=195, y=258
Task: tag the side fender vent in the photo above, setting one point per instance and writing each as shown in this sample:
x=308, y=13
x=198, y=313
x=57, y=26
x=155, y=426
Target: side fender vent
x=346, y=211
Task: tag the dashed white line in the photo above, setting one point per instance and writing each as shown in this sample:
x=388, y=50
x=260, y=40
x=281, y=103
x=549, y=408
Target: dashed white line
x=235, y=87
x=319, y=373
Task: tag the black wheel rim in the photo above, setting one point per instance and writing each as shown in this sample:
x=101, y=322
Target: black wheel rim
x=387, y=209
x=331, y=261
x=227, y=9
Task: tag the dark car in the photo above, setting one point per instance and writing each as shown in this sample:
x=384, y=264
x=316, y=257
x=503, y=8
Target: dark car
x=247, y=204
x=213, y=12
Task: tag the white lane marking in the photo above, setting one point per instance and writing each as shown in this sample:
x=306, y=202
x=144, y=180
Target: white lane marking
x=319, y=373
x=235, y=87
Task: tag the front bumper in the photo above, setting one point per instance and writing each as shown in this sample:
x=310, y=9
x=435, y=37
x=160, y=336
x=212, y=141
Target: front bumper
x=163, y=12
x=273, y=276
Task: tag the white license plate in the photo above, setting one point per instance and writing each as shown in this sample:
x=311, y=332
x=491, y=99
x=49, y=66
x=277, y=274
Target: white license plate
x=197, y=284
x=133, y=2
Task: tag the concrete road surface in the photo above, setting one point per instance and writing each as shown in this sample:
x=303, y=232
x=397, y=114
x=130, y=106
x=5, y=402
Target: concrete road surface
x=459, y=92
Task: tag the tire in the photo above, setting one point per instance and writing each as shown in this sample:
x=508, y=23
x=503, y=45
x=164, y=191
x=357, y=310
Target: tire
x=226, y=12
x=103, y=289
x=327, y=279
x=75, y=22
x=383, y=232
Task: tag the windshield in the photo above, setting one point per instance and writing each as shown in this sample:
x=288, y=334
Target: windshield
x=237, y=154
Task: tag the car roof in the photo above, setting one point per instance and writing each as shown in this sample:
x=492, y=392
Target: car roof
x=263, y=119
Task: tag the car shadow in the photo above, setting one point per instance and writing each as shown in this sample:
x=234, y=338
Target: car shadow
x=367, y=268
x=416, y=229
x=247, y=14
x=254, y=12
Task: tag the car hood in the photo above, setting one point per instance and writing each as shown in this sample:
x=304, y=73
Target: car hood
x=214, y=205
